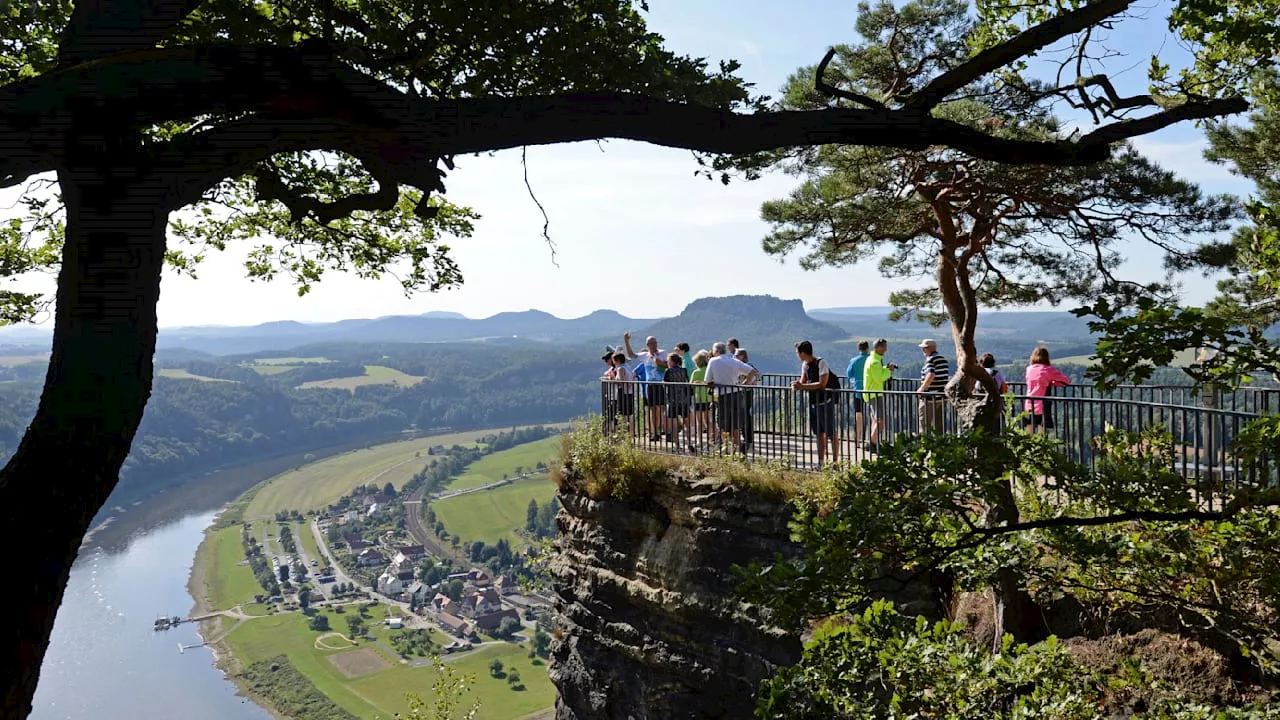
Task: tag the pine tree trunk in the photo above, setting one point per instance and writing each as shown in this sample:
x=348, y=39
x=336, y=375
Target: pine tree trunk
x=1015, y=612
x=97, y=385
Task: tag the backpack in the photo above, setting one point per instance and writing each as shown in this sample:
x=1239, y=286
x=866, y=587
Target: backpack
x=833, y=383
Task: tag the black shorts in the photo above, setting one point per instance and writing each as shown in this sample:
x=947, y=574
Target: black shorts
x=655, y=394
x=678, y=410
x=858, y=404
x=732, y=411
x=822, y=418
x=626, y=404
x=1044, y=419
x=702, y=406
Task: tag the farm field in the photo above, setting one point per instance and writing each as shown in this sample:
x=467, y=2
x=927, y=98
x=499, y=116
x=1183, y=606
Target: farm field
x=291, y=361
x=379, y=690
x=272, y=369
x=318, y=484
x=180, y=374
x=227, y=582
x=491, y=468
x=490, y=515
x=1182, y=358
x=374, y=375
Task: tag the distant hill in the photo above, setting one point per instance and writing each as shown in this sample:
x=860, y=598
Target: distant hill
x=436, y=327
x=762, y=322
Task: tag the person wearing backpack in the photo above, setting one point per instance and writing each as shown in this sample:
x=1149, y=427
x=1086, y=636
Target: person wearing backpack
x=817, y=379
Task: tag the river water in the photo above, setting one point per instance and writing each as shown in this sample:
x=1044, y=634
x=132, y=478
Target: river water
x=105, y=662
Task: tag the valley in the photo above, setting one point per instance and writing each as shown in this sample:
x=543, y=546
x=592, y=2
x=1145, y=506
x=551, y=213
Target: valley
x=339, y=648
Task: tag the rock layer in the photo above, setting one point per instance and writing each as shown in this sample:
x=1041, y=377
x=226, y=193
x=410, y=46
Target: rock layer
x=651, y=625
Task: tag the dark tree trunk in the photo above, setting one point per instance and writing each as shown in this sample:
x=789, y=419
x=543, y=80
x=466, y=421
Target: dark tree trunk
x=1015, y=612
x=97, y=385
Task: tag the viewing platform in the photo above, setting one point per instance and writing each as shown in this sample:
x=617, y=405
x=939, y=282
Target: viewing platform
x=776, y=426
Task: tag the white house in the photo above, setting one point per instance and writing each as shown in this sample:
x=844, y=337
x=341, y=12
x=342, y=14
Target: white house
x=389, y=584
x=370, y=558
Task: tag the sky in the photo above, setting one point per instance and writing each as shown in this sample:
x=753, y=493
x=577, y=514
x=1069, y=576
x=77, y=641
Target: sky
x=634, y=229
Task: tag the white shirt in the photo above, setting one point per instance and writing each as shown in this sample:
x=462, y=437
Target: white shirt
x=727, y=370
x=652, y=373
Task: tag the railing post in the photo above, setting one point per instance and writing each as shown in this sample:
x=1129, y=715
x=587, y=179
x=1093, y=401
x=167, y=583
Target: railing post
x=1210, y=399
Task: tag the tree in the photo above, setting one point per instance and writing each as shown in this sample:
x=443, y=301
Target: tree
x=454, y=590
x=531, y=523
x=283, y=572
x=389, y=490
x=304, y=599
x=987, y=234
x=144, y=109
x=507, y=628
x=495, y=668
x=513, y=678
x=541, y=642
x=319, y=622
x=355, y=625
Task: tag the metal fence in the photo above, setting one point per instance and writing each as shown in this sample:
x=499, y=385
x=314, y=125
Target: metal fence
x=770, y=421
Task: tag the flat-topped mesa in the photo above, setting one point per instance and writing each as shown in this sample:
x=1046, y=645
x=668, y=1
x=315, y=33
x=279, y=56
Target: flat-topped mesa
x=651, y=625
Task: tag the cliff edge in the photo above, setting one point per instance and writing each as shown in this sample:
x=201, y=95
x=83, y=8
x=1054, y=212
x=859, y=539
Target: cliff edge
x=651, y=625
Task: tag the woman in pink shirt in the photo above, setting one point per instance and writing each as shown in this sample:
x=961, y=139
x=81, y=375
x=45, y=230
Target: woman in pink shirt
x=1040, y=377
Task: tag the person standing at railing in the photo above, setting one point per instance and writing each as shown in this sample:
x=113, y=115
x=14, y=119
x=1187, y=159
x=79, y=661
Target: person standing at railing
x=817, y=379
x=654, y=361
x=703, y=423
x=988, y=362
x=1041, y=378
x=679, y=399
x=854, y=373
x=625, y=392
x=875, y=374
x=749, y=423
x=727, y=375
x=934, y=374
x=608, y=394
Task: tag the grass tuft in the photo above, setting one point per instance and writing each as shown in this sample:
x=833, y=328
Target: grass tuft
x=607, y=465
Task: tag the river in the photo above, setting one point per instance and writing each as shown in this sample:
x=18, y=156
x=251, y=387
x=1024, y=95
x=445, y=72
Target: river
x=105, y=662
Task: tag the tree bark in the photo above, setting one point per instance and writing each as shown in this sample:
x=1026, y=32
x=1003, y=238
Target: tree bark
x=98, y=383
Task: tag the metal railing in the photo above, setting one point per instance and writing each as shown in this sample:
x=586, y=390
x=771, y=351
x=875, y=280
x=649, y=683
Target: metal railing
x=770, y=421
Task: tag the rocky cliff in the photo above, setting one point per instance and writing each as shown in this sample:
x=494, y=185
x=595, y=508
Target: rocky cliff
x=652, y=627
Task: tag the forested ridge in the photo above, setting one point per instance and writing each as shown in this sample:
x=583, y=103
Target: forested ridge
x=193, y=426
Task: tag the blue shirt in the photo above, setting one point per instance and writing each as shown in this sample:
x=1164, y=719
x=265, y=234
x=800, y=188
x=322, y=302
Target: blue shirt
x=854, y=373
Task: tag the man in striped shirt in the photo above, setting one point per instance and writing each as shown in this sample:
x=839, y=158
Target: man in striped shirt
x=933, y=378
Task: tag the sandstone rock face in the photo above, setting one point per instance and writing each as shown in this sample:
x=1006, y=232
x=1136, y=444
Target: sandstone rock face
x=653, y=629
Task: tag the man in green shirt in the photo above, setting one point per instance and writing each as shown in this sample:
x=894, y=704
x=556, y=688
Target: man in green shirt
x=875, y=374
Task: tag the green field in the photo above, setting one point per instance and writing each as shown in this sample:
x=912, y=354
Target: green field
x=489, y=515
x=272, y=369
x=490, y=468
x=291, y=361
x=227, y=582
x=180, y=374
x=374, y=375
x=315, y=486
x=381, y=693
x=1182, y=358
